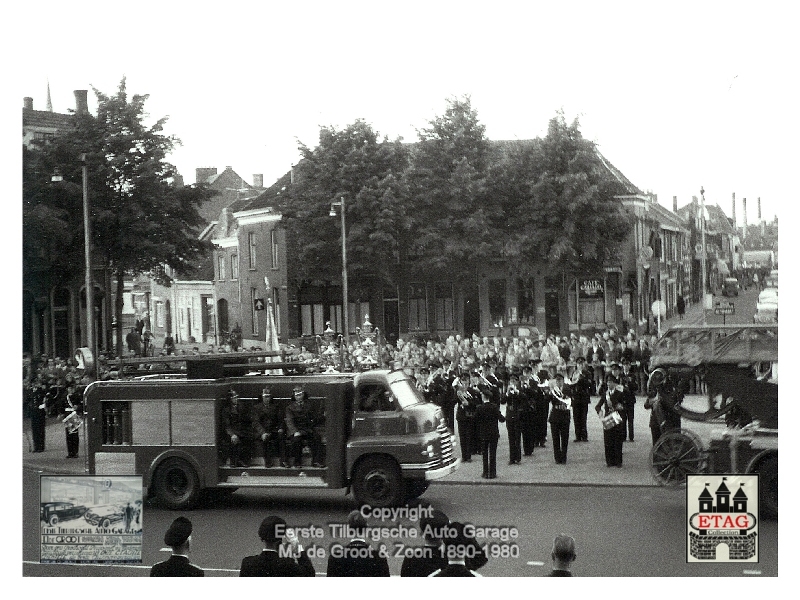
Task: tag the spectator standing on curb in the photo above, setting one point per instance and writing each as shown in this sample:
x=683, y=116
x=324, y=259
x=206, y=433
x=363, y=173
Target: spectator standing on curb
x=271, y=562
x=178, y=537
x=563, y=556
x=357, y=558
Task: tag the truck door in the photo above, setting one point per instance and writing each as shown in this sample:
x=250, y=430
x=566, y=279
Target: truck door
x=376, y=412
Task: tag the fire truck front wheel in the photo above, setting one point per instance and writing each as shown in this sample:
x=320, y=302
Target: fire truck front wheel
x=377, y=482
x=176, y=484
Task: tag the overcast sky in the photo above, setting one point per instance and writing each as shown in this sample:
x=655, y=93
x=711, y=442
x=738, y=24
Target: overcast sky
x=678, y=97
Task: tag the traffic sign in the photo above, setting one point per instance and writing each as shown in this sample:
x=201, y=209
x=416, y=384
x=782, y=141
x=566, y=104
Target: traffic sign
x=259, y=304
x=725, y=309
x=659, y=307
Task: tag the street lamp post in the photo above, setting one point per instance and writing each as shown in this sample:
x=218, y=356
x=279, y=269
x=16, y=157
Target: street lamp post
x=703, y=246
x=345, y=316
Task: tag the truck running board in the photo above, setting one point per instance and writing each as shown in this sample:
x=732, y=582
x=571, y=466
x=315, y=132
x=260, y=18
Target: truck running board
x=297, y=481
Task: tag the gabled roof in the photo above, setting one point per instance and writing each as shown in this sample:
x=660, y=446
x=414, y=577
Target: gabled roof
x=269, y=197
x=717, y=222
x=45, y=118
x=666, y=217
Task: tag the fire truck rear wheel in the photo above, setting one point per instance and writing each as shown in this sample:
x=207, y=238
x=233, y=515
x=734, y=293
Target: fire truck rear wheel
x=768, y=487
x=377, y=482
x=176, y=484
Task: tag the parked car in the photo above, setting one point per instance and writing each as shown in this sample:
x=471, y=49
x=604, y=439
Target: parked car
x=730, y=287
x=104, y=515
x=767, y=306
x=53, y=513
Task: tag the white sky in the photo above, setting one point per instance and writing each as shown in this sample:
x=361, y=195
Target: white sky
x=677, y=97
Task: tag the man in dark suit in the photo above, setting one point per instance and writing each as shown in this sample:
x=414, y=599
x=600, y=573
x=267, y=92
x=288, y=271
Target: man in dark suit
x=357, y=558
x=456, y=549
x=432, y=556
x=563, y=556
x=291, y=562
x=178, y=537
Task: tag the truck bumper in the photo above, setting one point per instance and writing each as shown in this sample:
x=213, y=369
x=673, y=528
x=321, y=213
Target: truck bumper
x=442, y=471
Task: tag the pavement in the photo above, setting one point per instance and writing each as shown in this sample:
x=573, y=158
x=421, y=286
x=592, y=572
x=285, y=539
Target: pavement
x=585, y=460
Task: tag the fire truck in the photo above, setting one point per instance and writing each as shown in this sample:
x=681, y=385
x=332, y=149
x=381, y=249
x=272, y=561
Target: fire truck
x=724, y=375
x=163, y=421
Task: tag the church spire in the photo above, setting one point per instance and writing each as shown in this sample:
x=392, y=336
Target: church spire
x=49, y=100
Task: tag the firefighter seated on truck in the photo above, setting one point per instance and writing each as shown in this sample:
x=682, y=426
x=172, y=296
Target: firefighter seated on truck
x=375, y=398
x=236, y=431
x=301, y=430
x=268, y=427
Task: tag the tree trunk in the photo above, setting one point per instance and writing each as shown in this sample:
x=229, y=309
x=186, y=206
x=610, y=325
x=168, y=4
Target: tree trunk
x=118, y=304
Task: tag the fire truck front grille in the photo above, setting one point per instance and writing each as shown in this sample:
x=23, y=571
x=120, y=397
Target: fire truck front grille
x=446, y=443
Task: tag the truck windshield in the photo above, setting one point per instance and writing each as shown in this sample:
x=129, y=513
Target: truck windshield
x=406, y=394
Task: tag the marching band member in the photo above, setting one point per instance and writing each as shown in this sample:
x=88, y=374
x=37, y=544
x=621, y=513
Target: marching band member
x=528, y=391
x=580, y=388
x=514, y=400
x=629, y=380
x=559, y=418
x=611, y=401
x=541, y=395
x=465, y=416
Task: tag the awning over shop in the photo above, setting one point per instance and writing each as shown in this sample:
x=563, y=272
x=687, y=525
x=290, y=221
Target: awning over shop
x=722, y=268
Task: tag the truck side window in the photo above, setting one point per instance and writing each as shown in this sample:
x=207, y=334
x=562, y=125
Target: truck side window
x=375, y=398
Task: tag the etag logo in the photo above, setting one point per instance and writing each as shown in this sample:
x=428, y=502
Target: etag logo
x=722, y=522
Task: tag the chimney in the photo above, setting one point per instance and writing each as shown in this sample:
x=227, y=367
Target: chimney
x=759, y=209
x=291, y=175
x=674, y=204
x=258, y=180
x=81, y=103
x=733, y=210
x=27, y=102
x=201, y=174
x=744, y=217
x=760, y=220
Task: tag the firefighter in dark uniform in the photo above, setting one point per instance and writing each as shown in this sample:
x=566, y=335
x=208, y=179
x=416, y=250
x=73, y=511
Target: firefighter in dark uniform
x=300, y=428
x=526, y=415
x=580, y=389
x=448, y=375
x=268, y=427
x=514, y=400
x=237, y=431
x=468, y=400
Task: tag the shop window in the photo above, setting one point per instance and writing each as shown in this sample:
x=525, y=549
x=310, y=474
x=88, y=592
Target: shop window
x=497, y=302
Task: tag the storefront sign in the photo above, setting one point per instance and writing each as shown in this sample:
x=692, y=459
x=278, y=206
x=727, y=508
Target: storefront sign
x=591, y=288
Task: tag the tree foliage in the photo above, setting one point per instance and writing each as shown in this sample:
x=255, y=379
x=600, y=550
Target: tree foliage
x=558, y=201
x=446, y=186
x=354, y=164
x=139, y=221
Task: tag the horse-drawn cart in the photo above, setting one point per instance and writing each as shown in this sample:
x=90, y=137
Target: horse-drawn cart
x=736, y=366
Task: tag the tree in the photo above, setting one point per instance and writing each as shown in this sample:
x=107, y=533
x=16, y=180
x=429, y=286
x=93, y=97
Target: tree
x=561, y=201
x=355, y=164
x=446, y=186
x=139, y=221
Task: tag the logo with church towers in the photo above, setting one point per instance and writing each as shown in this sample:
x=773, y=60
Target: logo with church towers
x=724, y=527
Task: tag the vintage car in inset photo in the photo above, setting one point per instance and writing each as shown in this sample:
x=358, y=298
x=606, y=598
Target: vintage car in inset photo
x=104, y=515
x=54, y=513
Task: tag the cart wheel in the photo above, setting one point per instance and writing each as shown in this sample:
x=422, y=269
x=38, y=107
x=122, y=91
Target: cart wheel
x=768, y=487
x=675, y=455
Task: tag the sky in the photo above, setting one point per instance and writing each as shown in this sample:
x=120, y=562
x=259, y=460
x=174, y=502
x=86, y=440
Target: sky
x=677, y=96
